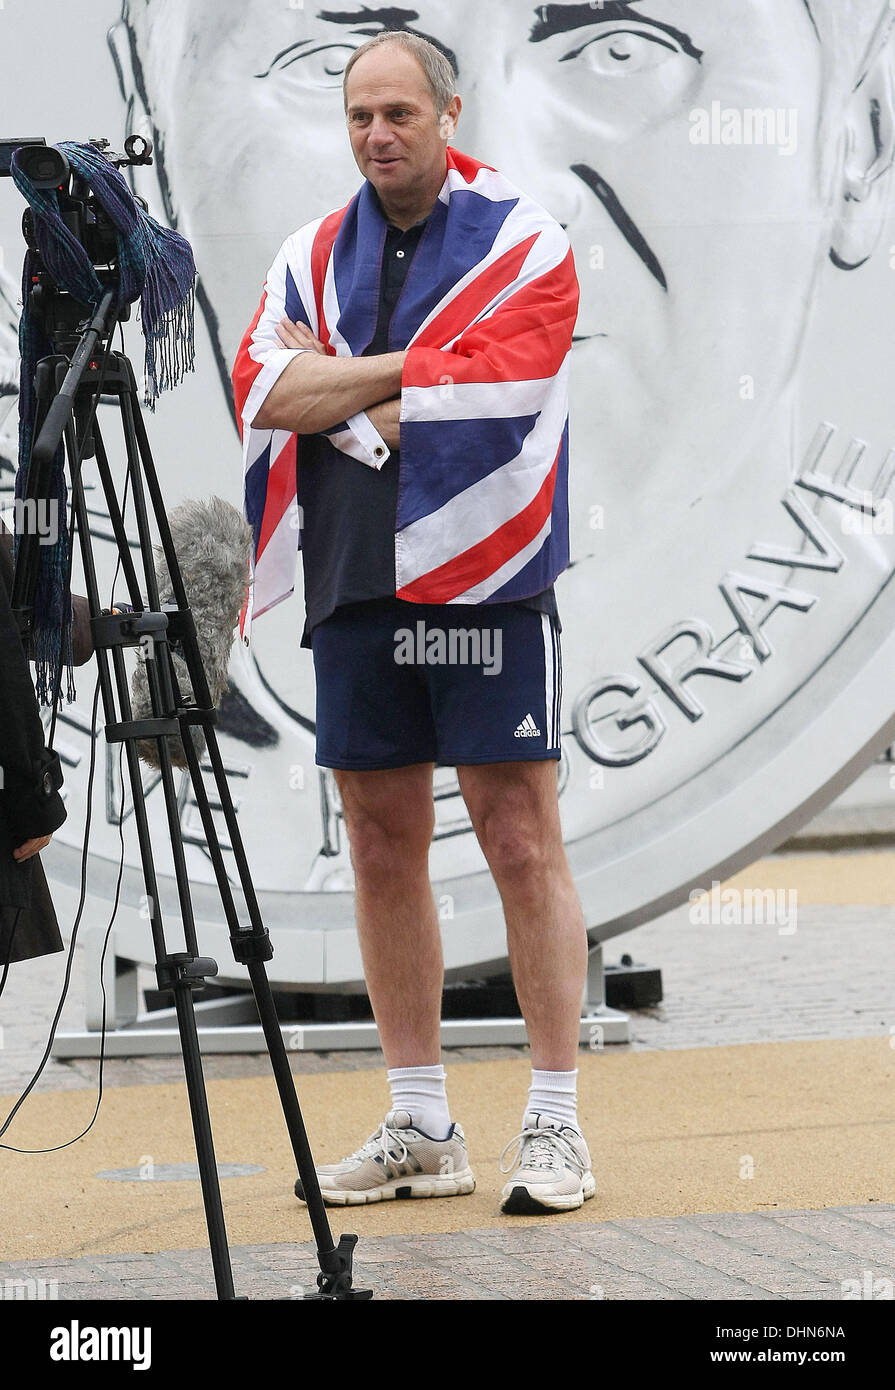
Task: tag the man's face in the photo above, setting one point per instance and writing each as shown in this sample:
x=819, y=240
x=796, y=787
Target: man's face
x=392, y=122
x=697, y=261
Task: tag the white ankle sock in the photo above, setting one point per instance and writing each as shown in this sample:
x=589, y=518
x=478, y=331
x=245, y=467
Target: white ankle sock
x=422, y=1092
x=554, y=1093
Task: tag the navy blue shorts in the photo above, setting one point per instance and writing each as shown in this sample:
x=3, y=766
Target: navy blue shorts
x=401, y=683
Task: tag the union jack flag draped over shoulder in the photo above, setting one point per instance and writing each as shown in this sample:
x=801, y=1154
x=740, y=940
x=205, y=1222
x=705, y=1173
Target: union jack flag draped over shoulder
x=487, y=313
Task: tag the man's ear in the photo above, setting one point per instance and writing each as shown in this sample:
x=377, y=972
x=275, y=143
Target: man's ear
x=448, y=124
x=865, y=176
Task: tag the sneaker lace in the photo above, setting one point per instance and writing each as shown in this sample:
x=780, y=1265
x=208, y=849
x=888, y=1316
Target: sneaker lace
x=546, y=1149
x=380, y=1143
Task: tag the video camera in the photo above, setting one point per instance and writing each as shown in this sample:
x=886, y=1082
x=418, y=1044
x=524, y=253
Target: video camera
x=48, y=167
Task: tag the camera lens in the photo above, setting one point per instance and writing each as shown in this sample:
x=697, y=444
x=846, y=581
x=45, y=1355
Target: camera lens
x=44, y=165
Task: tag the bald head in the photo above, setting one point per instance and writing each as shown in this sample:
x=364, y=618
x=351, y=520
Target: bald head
x=437, y=72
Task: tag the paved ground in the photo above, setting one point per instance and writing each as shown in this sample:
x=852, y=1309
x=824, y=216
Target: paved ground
x=831, y=978
x=792, y=1255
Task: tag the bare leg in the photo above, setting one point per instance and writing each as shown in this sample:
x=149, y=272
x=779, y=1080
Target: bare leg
x=515, y=813
x=390, y=817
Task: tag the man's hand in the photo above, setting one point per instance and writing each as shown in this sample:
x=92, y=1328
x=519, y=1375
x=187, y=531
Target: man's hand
x=298, y=335
x=386, y=418
x=30, y=848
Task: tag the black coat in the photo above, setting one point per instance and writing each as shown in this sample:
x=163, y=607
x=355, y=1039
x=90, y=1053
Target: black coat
x=29, y=808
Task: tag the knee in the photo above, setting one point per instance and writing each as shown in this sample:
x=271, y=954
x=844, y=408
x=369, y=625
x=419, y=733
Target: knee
x=383, y=848
x=515, y=847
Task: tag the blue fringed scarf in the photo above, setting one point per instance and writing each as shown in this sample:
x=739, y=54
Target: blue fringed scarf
x=156, y=267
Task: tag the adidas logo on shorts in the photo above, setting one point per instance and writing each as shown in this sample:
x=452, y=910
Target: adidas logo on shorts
x=527, y=729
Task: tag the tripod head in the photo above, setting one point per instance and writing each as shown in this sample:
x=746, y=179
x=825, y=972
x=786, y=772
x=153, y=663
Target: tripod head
x=59, y=314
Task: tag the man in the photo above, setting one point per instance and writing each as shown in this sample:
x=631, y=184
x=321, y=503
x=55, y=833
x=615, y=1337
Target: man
x=381, y=561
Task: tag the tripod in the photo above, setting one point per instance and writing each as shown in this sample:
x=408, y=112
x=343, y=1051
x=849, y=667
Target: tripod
x=65, y=393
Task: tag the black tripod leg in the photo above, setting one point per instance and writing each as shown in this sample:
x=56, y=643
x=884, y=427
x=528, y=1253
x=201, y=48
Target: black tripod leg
x=336, y=1264
x=181, y=973
x=279, y=1059
x=208, y=1174
x=252, y=948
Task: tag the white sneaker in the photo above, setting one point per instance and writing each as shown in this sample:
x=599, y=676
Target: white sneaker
x=553, y=1172
x=397, y=1161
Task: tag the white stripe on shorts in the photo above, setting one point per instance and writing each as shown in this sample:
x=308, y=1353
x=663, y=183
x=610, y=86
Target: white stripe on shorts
x=551, y=674
x=557, y=646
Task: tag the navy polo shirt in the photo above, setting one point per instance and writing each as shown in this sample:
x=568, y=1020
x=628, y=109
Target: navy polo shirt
x=348, y=509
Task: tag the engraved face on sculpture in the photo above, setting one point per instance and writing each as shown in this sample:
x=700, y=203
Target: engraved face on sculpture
x=707, y=160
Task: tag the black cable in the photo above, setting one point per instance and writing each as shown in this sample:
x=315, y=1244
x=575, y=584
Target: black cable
x=70, y=961
x=71, y=951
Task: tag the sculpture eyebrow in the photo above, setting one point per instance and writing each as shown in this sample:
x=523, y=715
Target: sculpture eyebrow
x=391, y=18
x=561, y=19
x=386, y=17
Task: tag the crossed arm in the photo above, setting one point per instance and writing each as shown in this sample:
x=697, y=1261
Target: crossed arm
x=317, y=391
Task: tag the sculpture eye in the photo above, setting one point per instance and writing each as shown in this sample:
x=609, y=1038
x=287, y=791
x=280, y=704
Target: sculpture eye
x=623, y=51
x=318, y=67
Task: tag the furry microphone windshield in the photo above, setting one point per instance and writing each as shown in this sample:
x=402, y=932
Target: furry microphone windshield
x=212, y=542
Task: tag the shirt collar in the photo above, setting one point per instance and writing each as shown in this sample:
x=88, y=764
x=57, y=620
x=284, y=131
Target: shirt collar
x=402, y=231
